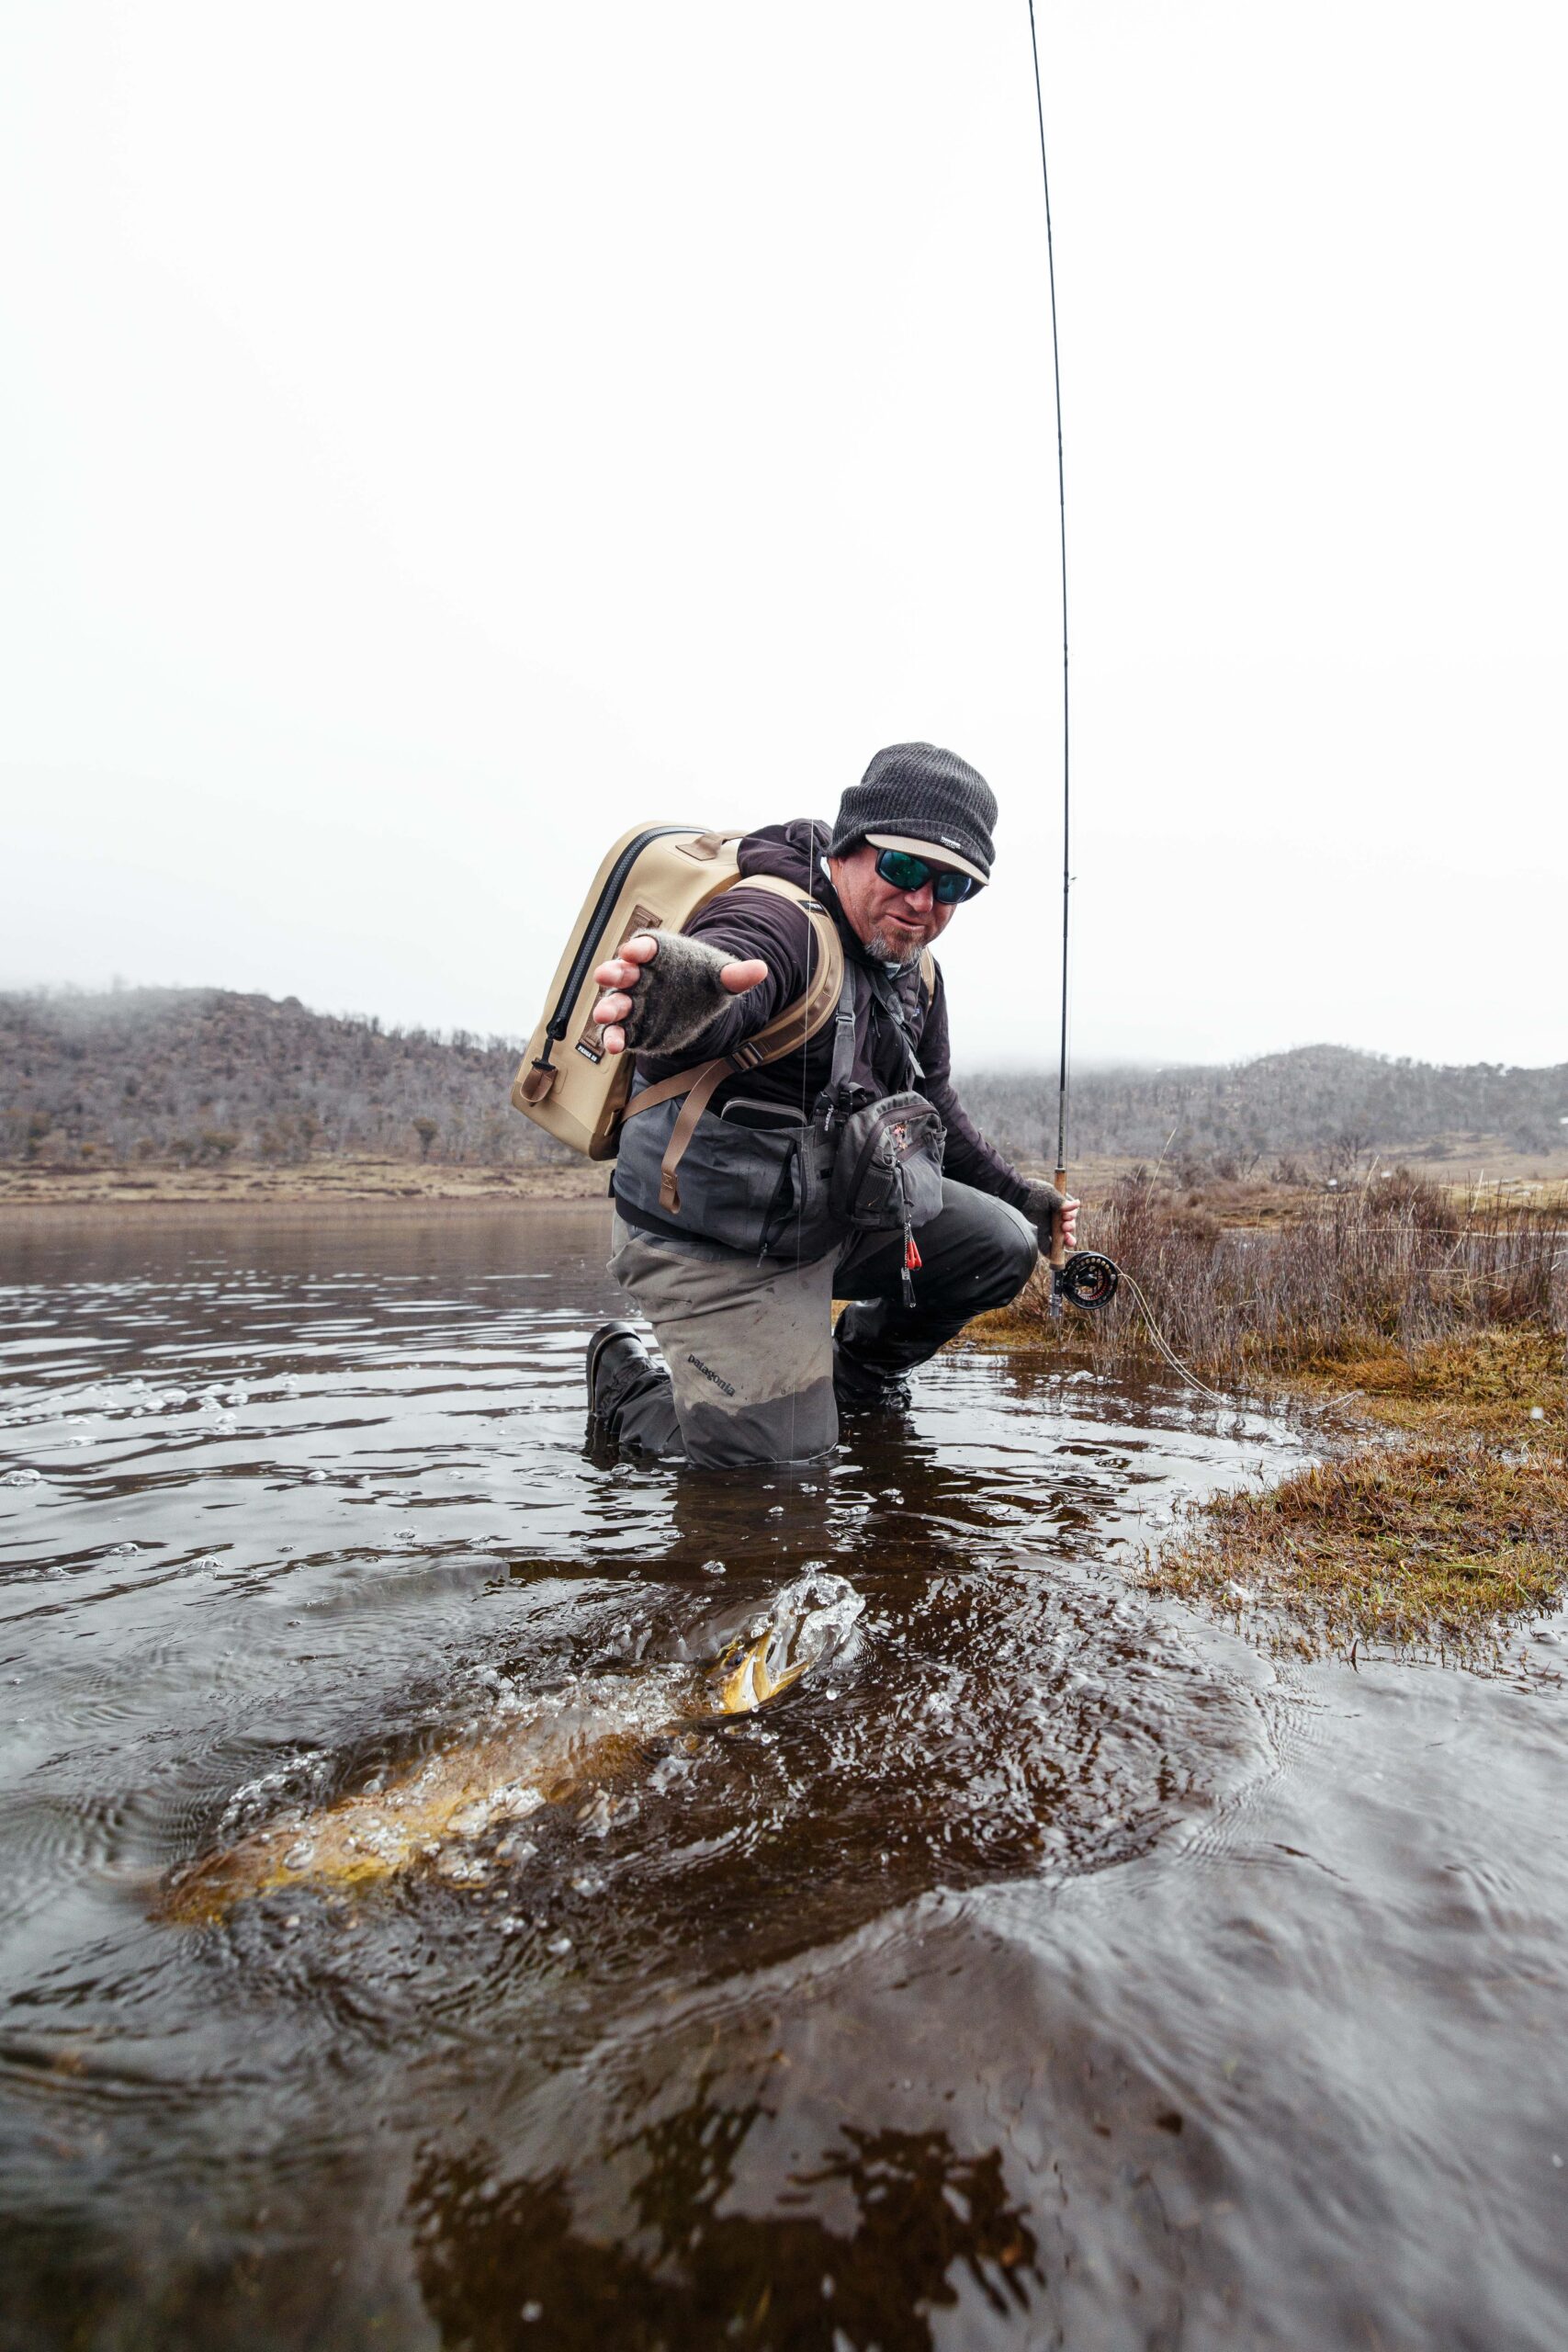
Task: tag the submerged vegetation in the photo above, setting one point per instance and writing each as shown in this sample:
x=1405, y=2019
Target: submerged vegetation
x=1437, y=1544
x=1433, y=1326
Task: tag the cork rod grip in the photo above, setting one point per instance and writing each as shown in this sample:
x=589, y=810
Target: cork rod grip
x=1058, y=1245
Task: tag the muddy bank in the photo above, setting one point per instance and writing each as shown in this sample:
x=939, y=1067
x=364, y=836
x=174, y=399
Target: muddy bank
x=394, y=1187
x=1251, y=1203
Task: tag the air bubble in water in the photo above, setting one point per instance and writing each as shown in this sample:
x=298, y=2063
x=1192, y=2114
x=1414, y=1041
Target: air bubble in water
x=19, y=1478
x=596, y=1815
x=315, y=1477
x=462, y=1870
x=125, y=1551
x=236, y=1397
x=713, y=1568
x=299, y=1857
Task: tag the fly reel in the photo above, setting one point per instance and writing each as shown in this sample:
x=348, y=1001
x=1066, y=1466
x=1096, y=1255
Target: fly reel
x=1087, y=1280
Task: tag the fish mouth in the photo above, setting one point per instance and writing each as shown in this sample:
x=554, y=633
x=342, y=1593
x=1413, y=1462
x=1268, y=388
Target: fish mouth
x=746, y=1686
x=809, y=1623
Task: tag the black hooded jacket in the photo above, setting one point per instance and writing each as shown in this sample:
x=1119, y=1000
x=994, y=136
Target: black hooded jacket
x=755, y=923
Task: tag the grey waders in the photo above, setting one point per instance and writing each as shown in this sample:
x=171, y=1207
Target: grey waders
x=753, y=1371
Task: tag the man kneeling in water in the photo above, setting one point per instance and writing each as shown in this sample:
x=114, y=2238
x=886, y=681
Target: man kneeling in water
x=737, y=1283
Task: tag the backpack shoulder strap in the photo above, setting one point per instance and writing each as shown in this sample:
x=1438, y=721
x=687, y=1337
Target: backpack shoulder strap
x=927, y=973
x=799, y=1021
x=786, y=1033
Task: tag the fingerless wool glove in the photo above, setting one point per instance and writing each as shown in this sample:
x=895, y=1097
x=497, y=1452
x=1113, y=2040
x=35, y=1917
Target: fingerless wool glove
x=677, y=996
x=1039, y=1207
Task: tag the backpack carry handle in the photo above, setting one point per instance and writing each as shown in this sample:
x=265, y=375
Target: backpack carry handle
x=707, y=845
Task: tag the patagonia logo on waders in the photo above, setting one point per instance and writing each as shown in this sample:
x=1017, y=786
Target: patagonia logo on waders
x=708, y=1373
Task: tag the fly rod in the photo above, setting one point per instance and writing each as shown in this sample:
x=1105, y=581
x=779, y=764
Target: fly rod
x=1086, y=1278
x=1057, y=1253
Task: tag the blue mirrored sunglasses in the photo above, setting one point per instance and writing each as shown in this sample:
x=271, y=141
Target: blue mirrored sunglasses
x=907, y=872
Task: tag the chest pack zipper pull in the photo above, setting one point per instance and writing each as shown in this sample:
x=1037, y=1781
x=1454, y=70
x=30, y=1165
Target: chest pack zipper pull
x=911, y=1260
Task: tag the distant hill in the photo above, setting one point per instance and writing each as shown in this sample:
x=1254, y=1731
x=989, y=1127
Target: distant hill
x=1325, y=1105
x=204, y=1075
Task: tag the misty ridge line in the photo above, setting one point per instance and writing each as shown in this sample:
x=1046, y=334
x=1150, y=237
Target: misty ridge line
x=193, y=1076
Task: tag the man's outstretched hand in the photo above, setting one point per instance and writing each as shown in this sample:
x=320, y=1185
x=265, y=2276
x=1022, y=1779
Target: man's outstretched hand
x=621, y=972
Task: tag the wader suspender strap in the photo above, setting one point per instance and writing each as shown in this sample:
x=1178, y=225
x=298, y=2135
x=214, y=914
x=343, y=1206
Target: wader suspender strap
x=837, y=1098
x=787, y=1030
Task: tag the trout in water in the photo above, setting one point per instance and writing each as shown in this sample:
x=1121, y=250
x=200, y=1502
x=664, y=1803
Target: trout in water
x=534, y=1751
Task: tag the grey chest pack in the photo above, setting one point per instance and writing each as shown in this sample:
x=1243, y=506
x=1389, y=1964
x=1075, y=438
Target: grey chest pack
x=755, y=1177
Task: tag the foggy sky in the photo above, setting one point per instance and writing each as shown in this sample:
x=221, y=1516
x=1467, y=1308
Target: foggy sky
x=431, y=439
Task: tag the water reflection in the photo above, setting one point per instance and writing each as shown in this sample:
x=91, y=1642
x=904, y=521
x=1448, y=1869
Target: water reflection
x=905, y=2218
x=1036, y=1967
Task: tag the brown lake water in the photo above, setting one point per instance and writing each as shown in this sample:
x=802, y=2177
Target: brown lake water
x=1048, y=1968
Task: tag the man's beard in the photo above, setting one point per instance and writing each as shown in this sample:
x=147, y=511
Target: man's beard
x=899, y=951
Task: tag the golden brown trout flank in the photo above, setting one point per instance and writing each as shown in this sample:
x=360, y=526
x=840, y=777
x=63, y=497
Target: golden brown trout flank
x=537, y=1751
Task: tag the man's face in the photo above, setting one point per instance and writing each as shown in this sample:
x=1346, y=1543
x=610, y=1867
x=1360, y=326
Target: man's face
x=893, y=925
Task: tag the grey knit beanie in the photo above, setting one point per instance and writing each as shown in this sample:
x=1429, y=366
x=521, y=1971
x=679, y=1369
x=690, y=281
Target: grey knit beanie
x=915, y=796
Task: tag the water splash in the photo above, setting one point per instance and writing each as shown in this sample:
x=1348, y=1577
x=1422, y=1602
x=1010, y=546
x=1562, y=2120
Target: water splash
x=532, y=1749
x=811, y=1620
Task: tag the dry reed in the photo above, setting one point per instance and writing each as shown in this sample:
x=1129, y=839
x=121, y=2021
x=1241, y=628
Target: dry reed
x=1382, y=1274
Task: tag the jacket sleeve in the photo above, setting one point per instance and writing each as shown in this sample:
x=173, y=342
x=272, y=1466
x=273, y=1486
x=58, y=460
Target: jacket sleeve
x=969, y=1159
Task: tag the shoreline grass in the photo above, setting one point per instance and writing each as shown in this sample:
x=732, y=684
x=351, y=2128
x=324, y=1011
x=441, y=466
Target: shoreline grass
x=1434, y=1329
x=1353, y=1278
x=1439, y=1546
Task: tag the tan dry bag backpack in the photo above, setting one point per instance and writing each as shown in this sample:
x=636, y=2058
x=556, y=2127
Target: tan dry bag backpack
x=655, y=878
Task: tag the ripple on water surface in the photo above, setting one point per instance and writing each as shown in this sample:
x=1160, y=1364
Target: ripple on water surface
x=672, y=2025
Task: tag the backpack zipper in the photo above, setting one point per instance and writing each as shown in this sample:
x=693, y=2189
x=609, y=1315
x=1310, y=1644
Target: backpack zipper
x=557, y=1025
x=582, y=963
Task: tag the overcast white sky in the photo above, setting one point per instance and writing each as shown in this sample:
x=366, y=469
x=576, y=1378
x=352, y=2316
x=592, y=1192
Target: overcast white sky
x=431, y=438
